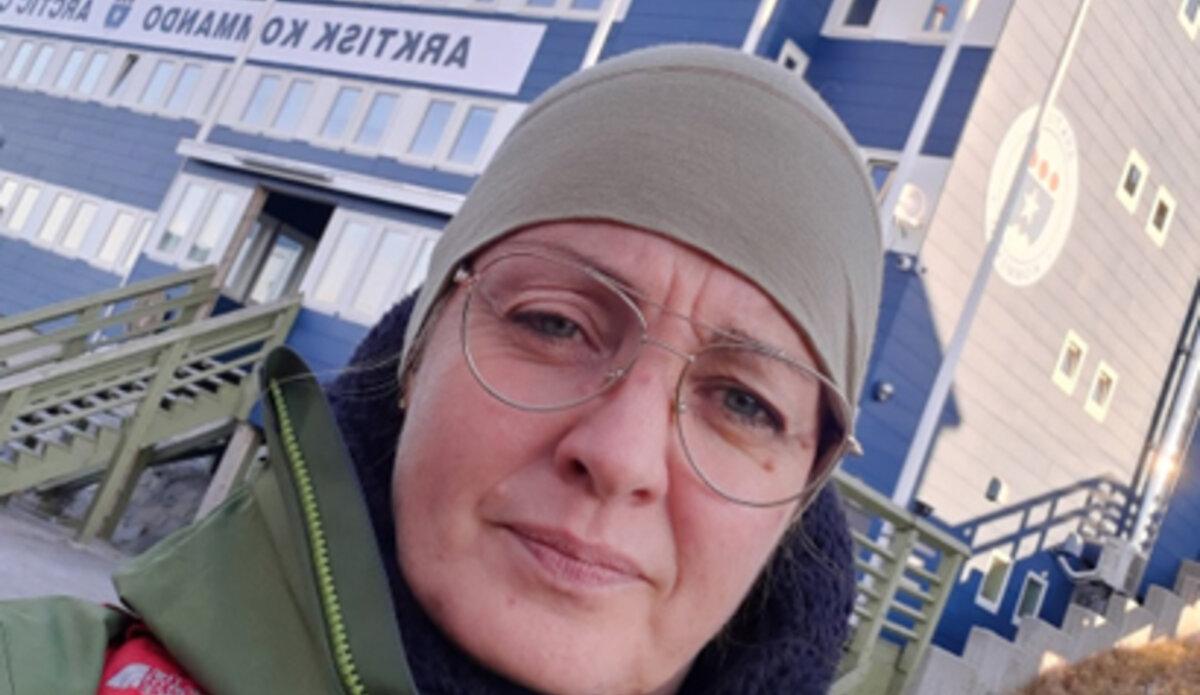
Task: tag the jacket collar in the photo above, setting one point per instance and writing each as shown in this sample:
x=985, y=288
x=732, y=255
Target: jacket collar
x=256, y=598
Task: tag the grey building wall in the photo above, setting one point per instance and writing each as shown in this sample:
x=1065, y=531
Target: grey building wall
x=1132, y=84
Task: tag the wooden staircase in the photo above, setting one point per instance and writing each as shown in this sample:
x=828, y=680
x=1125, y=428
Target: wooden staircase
x=906, y=569
x=112, y=410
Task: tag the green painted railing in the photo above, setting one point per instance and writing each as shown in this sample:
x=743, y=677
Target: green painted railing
x=108, y=411
x=69, y=329
x=906, y=569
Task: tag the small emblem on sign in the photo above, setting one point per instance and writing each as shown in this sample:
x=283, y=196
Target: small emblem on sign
x=117, y=14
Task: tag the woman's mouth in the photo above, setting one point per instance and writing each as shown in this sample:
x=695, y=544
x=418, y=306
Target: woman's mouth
x=573, y=563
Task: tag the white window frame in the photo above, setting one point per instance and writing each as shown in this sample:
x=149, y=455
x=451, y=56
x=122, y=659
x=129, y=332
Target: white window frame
x=60, y=64
x=176, y=79
x=94, y=236
x=1130, y=200
x=239, y=101
x=1031, y=577
x=791, y=50
x=269, y=127
x=343, y=304
x=347, y=141
x=981, y=600
x=1191, y=26
x=178, y=256
x=34, y=236
x=41, y=205
x=835, y=20
x=15, y=46
x=1159, y=236
x=1068, y=382
x=1099, y=410
x=41, y=83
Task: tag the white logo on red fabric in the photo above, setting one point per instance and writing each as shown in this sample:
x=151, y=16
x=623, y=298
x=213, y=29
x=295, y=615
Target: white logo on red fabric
x=143, y=679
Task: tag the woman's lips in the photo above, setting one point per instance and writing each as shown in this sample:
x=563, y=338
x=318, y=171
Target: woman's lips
x=573, y=562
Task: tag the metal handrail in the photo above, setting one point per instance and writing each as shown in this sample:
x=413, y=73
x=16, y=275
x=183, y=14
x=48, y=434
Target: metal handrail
x=68, y=329
x=906, y=567
x=138, y=382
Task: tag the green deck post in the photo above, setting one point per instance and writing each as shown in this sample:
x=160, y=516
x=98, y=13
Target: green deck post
x=119, y=473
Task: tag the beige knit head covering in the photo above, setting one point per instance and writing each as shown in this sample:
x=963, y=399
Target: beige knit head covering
x=720, y=151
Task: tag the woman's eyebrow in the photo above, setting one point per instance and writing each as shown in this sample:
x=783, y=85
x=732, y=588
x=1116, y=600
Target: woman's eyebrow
x=729, y=331
x=589, y=262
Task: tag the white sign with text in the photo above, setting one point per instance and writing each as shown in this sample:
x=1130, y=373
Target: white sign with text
x=448, y=51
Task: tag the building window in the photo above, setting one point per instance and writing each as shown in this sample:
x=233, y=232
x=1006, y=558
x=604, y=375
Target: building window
x=1029, y=601
x=792, y=57
x=994, y=582
x=70, y=70
x=91, y=76
x=1189, y=17
x=1100, y=395
x=860, y=13
x=17, y=67
x=219, y=219
x=1070, y=362
x=1133, y=180
x=375, y=292
x=117, y=238
x=376, y=121
x=339, y=116
x=156, y=88
x=264, y=94
x=293, y=106
x=429, y=133
x=77, y=232
x=52, y=224
x=420, y=268
x=40, y=63
x=474, y=131
x=586, y=4
x=185, y=216
x=1161, y=214
x=942, y=16
x=7, y=191
x=181, y=95
x=24, y=208
x=348, y=247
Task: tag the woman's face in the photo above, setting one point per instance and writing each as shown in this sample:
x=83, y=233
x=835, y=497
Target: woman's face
x=576, y=552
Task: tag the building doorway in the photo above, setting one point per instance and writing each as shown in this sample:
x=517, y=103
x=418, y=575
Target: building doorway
x=272, y=259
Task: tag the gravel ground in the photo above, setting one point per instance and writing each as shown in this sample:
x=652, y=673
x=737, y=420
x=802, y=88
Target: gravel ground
x=38, y=558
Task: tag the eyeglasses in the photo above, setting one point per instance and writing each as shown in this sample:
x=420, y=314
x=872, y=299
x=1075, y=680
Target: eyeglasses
x=542, y=333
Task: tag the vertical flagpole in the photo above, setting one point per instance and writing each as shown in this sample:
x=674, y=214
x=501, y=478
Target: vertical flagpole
x=234, y=70
x=918, y=450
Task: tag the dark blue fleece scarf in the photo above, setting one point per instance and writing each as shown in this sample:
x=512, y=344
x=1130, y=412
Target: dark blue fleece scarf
x=786, y=638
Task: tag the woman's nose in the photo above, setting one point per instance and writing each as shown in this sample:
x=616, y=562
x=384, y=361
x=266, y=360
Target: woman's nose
x=621, y=445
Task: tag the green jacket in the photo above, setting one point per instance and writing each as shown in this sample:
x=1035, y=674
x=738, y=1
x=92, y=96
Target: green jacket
x=255, y=598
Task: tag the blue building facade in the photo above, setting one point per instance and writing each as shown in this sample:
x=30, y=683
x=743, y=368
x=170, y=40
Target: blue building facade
x=320, y=146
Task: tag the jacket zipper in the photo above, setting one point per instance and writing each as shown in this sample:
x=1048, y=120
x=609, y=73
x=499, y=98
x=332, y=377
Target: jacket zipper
x=334, y=621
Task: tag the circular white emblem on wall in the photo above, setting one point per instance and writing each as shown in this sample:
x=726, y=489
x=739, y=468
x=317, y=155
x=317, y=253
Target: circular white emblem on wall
x=1041, y=220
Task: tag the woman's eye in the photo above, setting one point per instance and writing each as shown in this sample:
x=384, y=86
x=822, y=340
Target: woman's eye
x=745, y=406
x=547, y=324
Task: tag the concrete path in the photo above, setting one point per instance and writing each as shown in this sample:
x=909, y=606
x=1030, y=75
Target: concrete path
x=38, y=558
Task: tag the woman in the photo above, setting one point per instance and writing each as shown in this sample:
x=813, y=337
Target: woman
x=621, y=391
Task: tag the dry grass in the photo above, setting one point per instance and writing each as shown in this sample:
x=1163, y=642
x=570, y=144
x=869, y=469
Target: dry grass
x=1163, y=668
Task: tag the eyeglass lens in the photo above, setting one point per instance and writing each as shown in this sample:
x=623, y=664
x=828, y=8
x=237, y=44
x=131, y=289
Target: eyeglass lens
x=546, y=334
